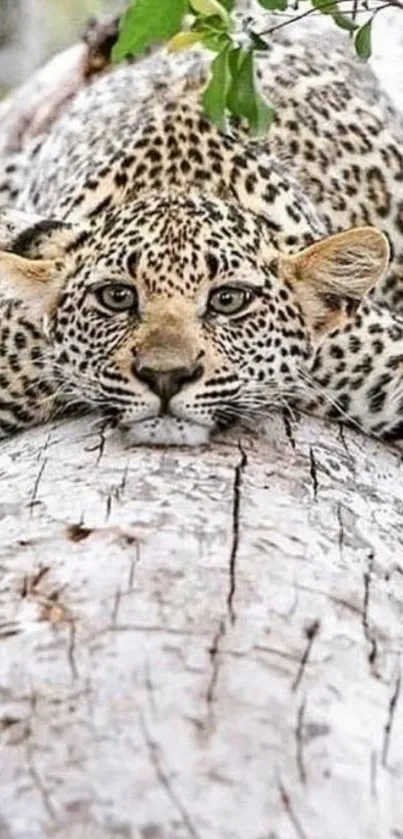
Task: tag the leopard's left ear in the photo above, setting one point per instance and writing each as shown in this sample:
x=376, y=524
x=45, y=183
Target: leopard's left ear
x=330, y=277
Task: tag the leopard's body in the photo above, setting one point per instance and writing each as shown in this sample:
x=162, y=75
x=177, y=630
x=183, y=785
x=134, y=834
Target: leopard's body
x=148, y=194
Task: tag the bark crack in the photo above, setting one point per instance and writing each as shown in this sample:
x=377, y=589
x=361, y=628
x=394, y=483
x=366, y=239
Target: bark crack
x=389, y=721
x=100, y=446
x=368, y=633
x=123, y=483
x=300, y=742
x=108, y=507
x=215, y=647
x=154, y=754
x=311, y=632
x=286, y=801
x=34, y=496
x=313, y=473
x=341, y=534
x=31, y=581
x=71, y=649
x=214, y=661
x=342, y=437
x=115, y=608
x=236, y=504
x=133, y=562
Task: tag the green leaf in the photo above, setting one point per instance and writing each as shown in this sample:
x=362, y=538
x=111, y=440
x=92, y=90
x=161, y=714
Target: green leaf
x=229, y=4
x=326, y=7
x=264, y=116
x=215, y=23
x=362, y=40
x=215, y=94
x=209, y=8
x=235, y=59
x=148, y=22
x=344, y=22
x=274, y=5
x=244, y=99
x=332, y=9
x=215, y=41
x=183, y=40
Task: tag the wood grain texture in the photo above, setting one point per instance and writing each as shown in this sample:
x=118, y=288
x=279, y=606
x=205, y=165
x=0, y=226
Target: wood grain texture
x=201, y=643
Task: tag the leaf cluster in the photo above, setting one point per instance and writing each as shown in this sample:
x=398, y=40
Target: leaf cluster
x=233, y=87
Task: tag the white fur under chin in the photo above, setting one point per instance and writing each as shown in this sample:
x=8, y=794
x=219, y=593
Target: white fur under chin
x=166, y=431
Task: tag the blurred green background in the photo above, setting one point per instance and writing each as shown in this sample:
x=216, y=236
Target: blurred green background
x=33, y=30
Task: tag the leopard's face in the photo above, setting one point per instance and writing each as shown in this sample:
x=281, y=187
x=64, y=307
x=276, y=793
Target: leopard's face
x=173, y=318
x=175, y=314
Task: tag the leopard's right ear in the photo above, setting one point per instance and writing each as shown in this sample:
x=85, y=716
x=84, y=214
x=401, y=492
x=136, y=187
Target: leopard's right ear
x=34, y=282
x=33, y=252
x=34, y=237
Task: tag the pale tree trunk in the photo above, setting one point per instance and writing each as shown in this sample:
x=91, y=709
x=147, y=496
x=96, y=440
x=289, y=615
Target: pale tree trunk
x=201, y=643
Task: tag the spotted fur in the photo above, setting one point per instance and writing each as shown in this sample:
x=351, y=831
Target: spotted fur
x=133, y=189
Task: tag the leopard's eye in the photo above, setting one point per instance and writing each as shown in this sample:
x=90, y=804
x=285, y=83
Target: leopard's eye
x=117, y=297
x=229, y=300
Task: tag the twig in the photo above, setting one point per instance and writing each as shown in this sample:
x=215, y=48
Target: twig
x=313, y=11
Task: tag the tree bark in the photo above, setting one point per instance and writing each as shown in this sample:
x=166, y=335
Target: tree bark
x=201, y=643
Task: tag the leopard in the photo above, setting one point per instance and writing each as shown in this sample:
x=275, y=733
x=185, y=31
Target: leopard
x=177, y=278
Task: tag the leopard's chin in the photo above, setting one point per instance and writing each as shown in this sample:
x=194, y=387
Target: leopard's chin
x=166, y=431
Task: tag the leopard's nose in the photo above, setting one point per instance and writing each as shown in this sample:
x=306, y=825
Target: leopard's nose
x=166, y=383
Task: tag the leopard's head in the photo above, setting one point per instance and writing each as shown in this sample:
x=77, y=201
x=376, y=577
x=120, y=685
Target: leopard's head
x=177, y=314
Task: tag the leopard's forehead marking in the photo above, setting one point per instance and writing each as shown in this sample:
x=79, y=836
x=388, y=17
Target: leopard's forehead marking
x=176, y=244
